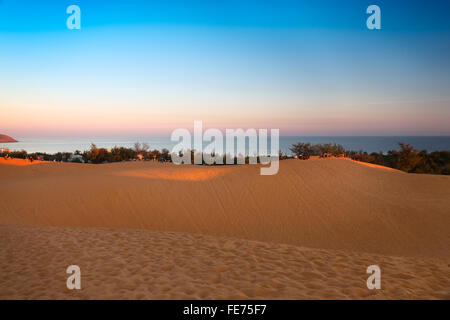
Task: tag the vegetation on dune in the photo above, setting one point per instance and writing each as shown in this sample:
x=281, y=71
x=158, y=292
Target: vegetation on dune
x=96, y=155
x=308, y=149
x=407, y=158
x=116, y=154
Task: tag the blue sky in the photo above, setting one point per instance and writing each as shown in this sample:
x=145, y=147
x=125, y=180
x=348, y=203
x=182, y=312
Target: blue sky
x=403, y=15
x=306, y=67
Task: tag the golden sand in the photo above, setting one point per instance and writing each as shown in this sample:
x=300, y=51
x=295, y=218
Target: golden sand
x=308, y=232
x=18, y=162
x=191, y=173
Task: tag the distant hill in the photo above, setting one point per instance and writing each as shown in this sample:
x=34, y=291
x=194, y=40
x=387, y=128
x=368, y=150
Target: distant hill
x=4, y=138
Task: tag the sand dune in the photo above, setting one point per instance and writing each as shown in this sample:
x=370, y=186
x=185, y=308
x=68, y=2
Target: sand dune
x=308, y=232
x=330, y=204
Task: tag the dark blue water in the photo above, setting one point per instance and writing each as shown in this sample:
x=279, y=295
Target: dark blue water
x=375, y=144
x=369, y=144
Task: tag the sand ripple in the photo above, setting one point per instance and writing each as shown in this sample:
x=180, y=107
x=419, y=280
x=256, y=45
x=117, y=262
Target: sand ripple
x=141, y=264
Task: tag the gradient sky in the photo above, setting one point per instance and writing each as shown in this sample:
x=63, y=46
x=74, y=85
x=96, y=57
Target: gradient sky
x=148, y=67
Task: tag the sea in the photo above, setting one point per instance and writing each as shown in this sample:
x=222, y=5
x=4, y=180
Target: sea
x=356, y=143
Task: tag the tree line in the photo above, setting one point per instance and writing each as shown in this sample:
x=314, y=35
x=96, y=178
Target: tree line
x=96, y=155
x=407, y=158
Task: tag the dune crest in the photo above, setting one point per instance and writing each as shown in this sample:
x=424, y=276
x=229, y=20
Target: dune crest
x=373, y=165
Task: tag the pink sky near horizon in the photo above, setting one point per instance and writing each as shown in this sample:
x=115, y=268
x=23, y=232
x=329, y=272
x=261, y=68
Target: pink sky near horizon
x=73, y=125
x=21, y=119
x=42, y=116
x=44, y=113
